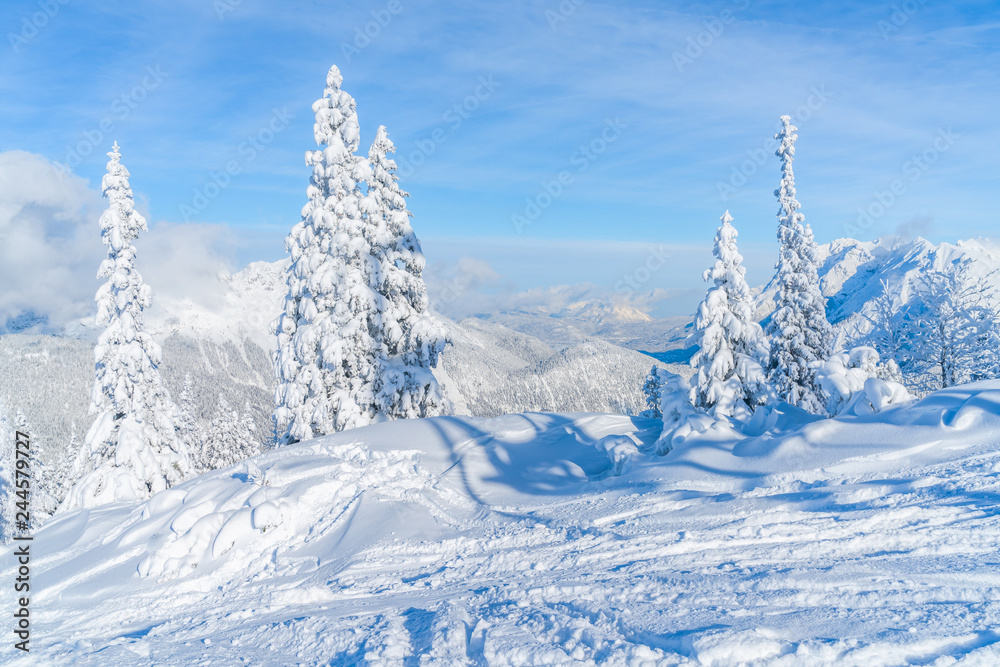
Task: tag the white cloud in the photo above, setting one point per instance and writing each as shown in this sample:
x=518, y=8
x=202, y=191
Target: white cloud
x=184, y=261
x=49, y=244
x=50, y=248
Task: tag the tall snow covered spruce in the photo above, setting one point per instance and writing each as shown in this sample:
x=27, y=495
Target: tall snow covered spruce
x=325, y=361
x=411, y=338
x=353, y=342
x=799, y=332
x=131, y=451
x=730, y=362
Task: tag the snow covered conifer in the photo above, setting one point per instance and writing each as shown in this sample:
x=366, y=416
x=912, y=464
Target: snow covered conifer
x=327, y=335
x=131, y=451
x=62, y=479
x=411, y=338
x=652, y=390
x=799, y=332
x=952, y=331
x=247, y=429
x=42, y=502
x=185, y=422
x=231, y=438
x=729, y=363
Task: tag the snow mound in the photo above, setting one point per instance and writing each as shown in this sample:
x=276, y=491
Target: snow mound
x=250, y=513
x=850, y=383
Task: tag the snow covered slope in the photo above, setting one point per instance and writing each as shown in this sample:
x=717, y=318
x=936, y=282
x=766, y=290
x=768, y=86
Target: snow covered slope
x=547, y=539
x=499, y=371
x=222, y=342
x=620, y=327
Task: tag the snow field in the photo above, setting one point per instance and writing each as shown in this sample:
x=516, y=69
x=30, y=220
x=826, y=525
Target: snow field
x=862, y=540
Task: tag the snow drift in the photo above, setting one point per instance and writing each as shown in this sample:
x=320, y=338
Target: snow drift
x=552, y=539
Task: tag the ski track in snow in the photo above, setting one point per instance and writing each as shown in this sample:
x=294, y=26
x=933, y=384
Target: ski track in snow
x=510, y=541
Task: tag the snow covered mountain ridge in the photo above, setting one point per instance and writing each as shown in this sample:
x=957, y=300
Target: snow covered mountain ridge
x=851, y=274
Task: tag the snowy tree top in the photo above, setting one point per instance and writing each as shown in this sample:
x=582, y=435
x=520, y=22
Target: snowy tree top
x=383, y=167
x=788, y=215
x=120, y=223
x=336, y=120
x=334, y=79
x=786, y=138
x=383, y=144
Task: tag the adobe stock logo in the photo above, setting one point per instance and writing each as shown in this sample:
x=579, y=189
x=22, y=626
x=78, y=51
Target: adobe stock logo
x=120, y=109
x=363, y=35
x=741, y=173
x=698, y=43
x=901, y=14
x=582, y=159
x=642, y=274
x=565, y=9
x=407, y=161
x=31, y=25
x=248, y=150
x=913, y=169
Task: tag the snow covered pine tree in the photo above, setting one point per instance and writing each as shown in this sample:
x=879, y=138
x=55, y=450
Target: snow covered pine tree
x=131, y=451
x=652, y=390
x=730, y=375
x=185, y=422
x=411, y=338
x=355, y=342
x=327, y=344
x=43, y=502
x=232, y=437
x=798, y=331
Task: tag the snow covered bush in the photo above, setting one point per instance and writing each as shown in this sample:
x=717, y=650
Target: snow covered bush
x=730, y=378
x=799, y=332
x=621, y=450
x=680, y=417
x=132, y=450
x=850, y=382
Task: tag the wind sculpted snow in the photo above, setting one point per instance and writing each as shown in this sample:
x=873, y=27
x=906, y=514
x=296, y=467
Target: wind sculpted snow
x=546, y=539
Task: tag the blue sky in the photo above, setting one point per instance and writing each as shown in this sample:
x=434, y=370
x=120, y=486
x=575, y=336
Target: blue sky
x=693, y=91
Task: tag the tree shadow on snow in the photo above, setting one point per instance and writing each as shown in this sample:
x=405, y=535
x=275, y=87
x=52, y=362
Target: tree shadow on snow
x=533, y=453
